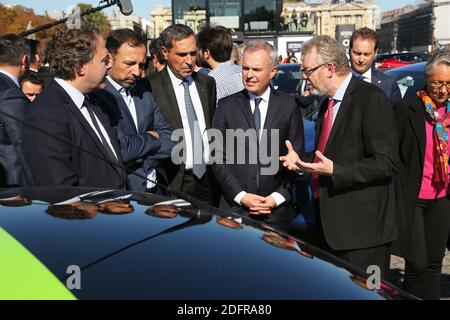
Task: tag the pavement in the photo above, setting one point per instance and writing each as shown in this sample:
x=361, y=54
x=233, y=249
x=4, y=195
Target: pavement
x=398, y=268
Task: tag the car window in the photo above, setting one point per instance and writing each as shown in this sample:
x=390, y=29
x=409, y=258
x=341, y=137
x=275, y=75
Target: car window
x=408, y=82
x=287, y=79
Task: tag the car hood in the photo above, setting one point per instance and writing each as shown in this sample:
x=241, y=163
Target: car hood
x=162, y=249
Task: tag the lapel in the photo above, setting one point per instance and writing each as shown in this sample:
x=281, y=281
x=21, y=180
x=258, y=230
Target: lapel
x=138, y=104
x=71, y=107
x=272, y=108
x=343, y=110
x=376, y=79
x=417, y=120
x=203, y=94
x=122, y=105
x=168, y=93
x=244, y=106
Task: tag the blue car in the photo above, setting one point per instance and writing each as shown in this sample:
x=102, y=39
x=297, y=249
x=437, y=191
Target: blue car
x=410, y=78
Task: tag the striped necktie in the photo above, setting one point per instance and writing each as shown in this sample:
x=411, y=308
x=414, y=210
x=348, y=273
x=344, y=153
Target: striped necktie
x=198, y=166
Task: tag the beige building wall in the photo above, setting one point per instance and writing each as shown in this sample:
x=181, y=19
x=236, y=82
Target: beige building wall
x=161, y=19
x=327, y=16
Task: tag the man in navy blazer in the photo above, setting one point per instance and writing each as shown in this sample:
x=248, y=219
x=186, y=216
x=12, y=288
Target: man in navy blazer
x=363, y=49
x=269, y=118
x=144, y=135
x=13, y=61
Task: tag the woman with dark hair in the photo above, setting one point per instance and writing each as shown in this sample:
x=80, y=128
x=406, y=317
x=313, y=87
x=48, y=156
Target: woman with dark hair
x=422, y=122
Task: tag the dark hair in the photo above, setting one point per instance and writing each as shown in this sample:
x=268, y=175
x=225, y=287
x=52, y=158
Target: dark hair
x=70, y=49
x=175, y=32
x=364, y=33
x=218, y=41
x=31, y=76
x=68, y=212
x=33, y=46
x=12, y=49
x=155, y=50
x=120, y=36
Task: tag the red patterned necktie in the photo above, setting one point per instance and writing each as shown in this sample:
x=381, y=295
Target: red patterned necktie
x=324, y=134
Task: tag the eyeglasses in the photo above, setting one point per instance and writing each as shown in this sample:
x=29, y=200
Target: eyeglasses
x=309, y=72
x=440, y=84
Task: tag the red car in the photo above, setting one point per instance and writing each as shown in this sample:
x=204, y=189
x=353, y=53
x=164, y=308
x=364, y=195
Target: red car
x=395, y=60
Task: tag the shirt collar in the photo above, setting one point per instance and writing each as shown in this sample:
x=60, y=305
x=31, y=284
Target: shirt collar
x=76, y=96
x=339, y=95
x=178, y=81
x=117, y=86
x=13, y=78
x=367, y=74
x=265, y=96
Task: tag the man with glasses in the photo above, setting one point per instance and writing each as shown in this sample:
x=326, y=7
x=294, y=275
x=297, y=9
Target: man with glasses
x=355, y=160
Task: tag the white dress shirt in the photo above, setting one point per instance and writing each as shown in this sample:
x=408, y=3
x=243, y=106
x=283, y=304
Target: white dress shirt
x=129, y=101
x=263, y=107
x=178, y=87
x=366, y=76
x=78, y=98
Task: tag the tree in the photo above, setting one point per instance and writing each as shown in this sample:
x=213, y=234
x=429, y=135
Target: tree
x=98, y=19
x=16, y=19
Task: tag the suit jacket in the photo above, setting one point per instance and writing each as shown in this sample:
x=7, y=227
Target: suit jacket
x=63, y=158
x=164, y=95
x=388, y=85
x=234, y=112
x=410, y=117
x=13, y=169
x=358, y=203
x=140, y=151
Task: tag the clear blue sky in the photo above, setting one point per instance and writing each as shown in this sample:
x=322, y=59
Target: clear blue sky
x=143, y=7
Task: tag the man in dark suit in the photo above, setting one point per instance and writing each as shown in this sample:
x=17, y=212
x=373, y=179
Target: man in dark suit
x=355, y=160
x=363, y=49
x=13, y=63
x=188, y=101
x=79, y=148
x=269, y=118
x=143, y=133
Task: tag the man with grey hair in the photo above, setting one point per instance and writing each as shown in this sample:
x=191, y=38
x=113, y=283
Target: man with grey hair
x=355, y=161
x=269, y=117
x=187, y=100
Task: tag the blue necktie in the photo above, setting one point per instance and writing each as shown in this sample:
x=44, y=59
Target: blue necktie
x=257, y=119
x=198, y=167
x=257, y=116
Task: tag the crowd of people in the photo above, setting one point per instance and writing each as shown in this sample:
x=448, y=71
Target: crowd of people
x=113, y=115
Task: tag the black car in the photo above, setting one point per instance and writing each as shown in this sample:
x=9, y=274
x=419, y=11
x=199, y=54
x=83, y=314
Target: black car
x=81, y=243
x=287, y=78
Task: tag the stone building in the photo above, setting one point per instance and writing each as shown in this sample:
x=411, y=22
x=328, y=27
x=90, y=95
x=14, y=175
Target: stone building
x=423, y=27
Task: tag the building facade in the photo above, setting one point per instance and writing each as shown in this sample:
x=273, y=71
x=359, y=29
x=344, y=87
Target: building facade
x=285, y=24
x=424, y=27
x=136, y=23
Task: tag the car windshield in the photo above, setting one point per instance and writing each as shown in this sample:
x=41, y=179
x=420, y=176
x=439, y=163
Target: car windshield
x=287, y=78
x=409, y=82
